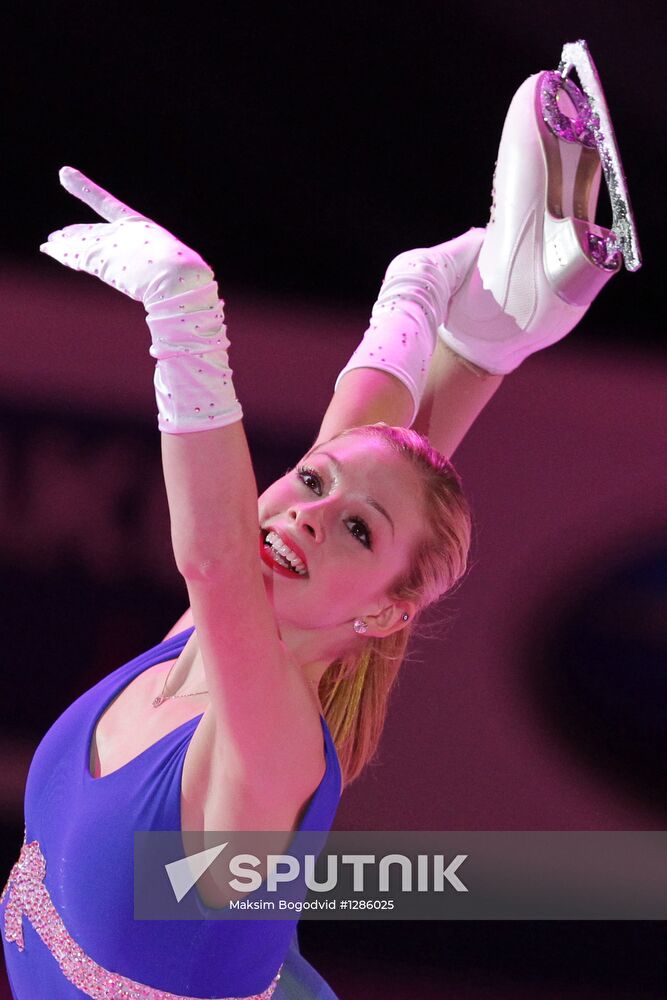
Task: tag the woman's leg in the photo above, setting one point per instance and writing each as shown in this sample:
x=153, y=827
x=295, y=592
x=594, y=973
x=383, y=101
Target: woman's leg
x=386, y=376
x=456, y=393
x=542, y=262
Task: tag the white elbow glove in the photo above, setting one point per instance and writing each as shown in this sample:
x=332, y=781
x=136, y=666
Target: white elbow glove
x=193, y=380
x=412, y=304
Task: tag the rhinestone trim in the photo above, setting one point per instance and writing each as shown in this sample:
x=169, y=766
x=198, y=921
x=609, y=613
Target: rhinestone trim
x=29, y=896
x=576, y=56
x=579, y=129
x=603, y=251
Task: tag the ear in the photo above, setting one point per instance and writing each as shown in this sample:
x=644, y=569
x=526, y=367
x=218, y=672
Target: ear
x=391, y=619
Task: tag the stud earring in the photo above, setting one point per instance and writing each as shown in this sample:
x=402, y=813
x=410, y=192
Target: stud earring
x=360, y=626
x=406, y=616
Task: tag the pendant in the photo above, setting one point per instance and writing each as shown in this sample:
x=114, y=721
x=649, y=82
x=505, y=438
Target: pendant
x=157, y=701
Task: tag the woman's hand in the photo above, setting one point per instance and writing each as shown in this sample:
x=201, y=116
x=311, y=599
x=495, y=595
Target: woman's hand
x=129, y=251
x=184, y=313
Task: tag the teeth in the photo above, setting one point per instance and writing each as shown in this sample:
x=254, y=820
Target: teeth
x=284, y=555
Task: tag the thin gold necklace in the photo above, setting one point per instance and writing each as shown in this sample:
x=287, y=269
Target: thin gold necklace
x=165, y=697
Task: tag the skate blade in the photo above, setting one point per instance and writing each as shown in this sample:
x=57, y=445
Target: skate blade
x=576, y=55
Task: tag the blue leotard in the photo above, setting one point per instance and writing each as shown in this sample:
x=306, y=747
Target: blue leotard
x=70, y=899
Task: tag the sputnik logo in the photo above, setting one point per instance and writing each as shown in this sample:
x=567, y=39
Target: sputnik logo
x=184, y=873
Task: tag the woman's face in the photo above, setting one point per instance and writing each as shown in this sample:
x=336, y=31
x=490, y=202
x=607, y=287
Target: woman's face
x=351, y=513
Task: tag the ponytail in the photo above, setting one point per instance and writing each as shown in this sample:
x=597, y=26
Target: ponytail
x=354, y=694
x=354, y=690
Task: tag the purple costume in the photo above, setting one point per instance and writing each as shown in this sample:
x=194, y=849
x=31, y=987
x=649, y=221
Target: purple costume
x=67, y=909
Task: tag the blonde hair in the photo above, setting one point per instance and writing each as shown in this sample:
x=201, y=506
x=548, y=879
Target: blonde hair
x=354, y=690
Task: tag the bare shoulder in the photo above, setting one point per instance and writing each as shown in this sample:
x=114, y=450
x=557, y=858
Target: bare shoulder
x=267, y=786
x=288, y=742
x=290, y=749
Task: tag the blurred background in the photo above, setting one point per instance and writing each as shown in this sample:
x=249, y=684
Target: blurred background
x=299, y=147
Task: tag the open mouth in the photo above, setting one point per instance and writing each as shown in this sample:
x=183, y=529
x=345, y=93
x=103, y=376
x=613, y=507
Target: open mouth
x=278, y=555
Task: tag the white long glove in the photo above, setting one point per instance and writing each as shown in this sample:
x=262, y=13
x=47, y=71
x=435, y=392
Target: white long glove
x=193, y=380
x=413, y=302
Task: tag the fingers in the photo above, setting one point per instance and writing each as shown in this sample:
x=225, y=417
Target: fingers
x=60, y=252
x=59, y=245
x=71, y=245
x=101, y=201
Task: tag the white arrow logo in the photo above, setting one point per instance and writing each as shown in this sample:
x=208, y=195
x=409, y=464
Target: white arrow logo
x=184, y=873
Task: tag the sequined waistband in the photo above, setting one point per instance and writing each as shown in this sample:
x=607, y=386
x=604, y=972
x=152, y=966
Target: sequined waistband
x=29, y=896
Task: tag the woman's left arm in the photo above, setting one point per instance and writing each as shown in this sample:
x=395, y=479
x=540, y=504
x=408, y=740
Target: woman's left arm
x=402, y=373
x=456, y=393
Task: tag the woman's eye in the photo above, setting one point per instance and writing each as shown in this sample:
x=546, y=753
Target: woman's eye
x=360, y=530
x=310, y=479
x=355, y=525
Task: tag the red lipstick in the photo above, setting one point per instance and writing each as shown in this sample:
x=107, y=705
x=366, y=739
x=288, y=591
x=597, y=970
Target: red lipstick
x=265, y=555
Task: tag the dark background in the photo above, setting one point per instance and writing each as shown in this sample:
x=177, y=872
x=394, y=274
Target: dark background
x=299, y=147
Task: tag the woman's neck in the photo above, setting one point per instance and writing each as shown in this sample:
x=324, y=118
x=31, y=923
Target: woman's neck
x=303, y=649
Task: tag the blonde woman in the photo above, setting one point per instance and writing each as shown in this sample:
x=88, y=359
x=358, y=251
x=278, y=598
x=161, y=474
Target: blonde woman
x=270, y=694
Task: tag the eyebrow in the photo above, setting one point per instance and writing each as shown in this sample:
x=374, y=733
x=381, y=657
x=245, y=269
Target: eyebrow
x=373, y=503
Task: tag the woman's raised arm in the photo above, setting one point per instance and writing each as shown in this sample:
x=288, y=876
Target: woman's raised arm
x=454, y=396
x=260, y=702
x=402, y=373
x=257, y=698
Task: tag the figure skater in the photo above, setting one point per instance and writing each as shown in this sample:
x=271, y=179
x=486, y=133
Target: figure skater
x=270, y=694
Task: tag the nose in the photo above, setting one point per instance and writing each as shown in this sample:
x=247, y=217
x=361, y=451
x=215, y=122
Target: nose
x=308, y=517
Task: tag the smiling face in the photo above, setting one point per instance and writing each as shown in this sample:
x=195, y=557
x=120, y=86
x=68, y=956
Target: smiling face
x=348, y=518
